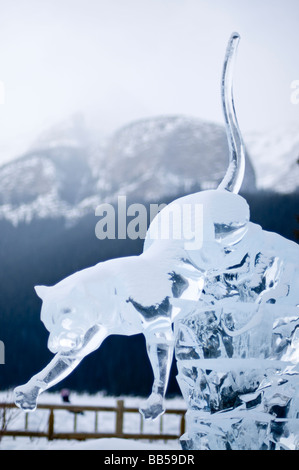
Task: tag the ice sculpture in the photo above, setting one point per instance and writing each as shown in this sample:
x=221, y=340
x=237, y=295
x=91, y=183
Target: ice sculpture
x=216, y=287
x=237, y=346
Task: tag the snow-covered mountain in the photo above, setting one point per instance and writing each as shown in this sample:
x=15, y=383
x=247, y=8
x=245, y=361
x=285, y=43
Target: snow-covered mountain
x=166, y=156
x=67, y=174
x=275, y=156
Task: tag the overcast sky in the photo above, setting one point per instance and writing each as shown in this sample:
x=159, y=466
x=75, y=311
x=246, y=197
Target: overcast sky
x=122, y=60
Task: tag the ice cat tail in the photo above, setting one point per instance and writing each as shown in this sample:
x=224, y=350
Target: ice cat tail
x=234, y=176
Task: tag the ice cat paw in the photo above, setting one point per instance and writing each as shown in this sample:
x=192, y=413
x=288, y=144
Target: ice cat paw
x=153, y=407
x=26, y=397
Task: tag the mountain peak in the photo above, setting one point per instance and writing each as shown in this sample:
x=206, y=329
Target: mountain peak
x=65, y=175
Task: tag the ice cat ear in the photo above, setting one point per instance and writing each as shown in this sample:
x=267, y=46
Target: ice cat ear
x=41, y=291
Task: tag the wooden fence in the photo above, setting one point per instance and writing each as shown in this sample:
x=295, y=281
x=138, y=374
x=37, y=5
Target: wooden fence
x=119, y=410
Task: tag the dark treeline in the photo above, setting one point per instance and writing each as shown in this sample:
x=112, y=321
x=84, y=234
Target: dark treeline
x=46, y=251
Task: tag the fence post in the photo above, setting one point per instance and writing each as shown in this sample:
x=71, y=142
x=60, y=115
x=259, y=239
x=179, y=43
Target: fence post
x=161, y=424
x=96, y=422
x=51, y=425
x=183, y=424
x=119, y=418
x=75, y=422
x=4, y=419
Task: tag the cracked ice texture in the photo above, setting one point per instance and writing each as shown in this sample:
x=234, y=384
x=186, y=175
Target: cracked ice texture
x=237, y=348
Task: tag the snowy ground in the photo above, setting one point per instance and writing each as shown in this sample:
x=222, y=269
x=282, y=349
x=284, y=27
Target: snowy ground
x=64, y=422
x=21, y=443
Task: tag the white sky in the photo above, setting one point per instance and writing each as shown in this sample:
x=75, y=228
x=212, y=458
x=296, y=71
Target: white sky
x=122, y=60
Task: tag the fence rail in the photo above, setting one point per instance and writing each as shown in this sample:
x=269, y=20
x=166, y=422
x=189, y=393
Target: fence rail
x=120, y=410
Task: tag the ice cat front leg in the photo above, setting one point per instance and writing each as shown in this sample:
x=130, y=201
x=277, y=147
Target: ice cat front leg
x=60, y=367
x=160, y=344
